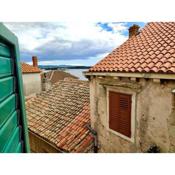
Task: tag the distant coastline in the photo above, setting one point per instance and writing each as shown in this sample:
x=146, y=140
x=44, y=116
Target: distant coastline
x=63, y=67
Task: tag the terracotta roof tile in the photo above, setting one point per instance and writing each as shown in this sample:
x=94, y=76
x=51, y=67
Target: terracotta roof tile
x=152, y=50
x=61, y=114
x=26, y=68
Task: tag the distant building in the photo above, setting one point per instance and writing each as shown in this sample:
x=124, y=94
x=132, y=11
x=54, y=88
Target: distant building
x=31, y=77
x=132, y=92
x=57, y=75
x=58, y=118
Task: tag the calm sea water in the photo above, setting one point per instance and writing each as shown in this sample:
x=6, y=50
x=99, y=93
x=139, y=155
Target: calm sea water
x=77, y=72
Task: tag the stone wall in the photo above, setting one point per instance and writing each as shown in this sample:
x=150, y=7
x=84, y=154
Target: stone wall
x=39, y=145
x=153, y=114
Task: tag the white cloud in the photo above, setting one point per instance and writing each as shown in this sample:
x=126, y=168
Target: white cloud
x=30, y=35
x=118, y=27
x=61, y=41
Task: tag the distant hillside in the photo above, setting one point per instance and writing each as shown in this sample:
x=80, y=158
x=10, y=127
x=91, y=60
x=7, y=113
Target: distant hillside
x=55, y=67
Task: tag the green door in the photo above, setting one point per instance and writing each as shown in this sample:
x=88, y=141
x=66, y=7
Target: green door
x=13, y=126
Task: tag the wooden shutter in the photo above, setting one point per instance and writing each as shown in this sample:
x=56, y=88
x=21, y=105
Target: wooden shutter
x=13, y=125
x=120, y=113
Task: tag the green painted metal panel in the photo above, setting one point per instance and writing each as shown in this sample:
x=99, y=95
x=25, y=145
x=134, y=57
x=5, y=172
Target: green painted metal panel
x=13, y=142
x=4, y=50
x=11, y=96
x=6, y=132
x=6, y=87
x=5, y=67
x=7, y=107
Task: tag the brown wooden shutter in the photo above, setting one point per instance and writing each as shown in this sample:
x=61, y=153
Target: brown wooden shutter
x=120, y=113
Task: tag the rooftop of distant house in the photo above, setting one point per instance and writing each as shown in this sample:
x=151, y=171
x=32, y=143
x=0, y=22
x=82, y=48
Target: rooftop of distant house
x=150, y=50
x=61, y=115
x=57, y=75
x=26, y=68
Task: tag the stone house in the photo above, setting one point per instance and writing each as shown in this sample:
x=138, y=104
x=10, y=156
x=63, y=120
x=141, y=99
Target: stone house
x=51, y=77
x=132, y=92
x=56, y=75
x=31, y=77
x=59, y=119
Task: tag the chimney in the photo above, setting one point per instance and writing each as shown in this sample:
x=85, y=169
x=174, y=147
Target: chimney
x=35, y=61
x=133, y=30
x=45, y=83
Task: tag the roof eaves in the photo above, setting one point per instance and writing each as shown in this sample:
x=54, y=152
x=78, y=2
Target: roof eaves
x=132, y=74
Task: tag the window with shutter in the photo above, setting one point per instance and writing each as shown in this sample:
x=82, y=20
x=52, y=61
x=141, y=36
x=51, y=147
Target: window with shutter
x=120, y=113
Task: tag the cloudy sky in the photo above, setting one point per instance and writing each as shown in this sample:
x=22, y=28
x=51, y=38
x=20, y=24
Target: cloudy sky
x=76, y=43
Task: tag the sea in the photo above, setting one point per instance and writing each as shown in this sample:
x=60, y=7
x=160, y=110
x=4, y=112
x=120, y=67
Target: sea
x=77, y=72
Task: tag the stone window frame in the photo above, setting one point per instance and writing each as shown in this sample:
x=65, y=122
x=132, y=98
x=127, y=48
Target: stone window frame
x=133, y=111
